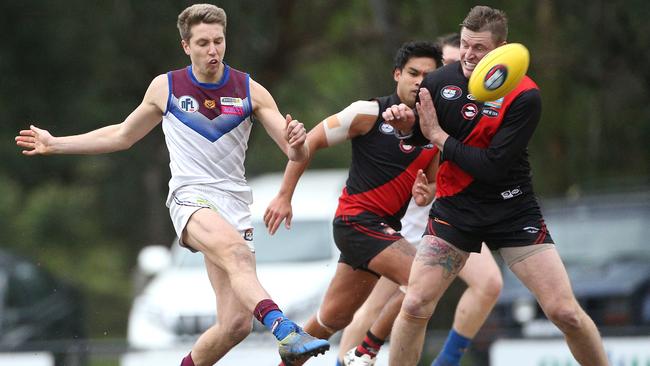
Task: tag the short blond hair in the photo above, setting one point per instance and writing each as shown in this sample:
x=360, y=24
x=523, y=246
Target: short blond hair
x=199, y=13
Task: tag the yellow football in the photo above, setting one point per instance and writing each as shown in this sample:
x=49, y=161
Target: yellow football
x=499, y=72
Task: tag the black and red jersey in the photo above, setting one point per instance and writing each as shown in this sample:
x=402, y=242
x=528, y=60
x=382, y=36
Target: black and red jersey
x=382, y=171
x=484, y=177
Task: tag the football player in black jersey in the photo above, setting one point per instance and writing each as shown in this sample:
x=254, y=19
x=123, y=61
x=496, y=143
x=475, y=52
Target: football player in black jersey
x=483, y=194
x=378, y=190
x=481, y=274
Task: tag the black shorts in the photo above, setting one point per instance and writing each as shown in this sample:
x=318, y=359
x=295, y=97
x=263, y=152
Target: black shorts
x=533, y=231
x=360, y=238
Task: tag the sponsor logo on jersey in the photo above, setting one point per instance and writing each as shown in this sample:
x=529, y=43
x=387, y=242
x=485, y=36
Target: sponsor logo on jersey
x=248, y=235
x=469, y=111
x=406, y=147
x=511, y=193
x=232, y=105
x=490, y=112
x=188, y=104
x=451, y=92
x=386, y=129
x=229, y=109
x=210, y=103
x=495, y=103
x=531, y=229
x=232, y=101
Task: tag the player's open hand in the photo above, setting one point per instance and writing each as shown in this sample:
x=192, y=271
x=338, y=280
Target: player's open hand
x=296, y=132
x=400, y=117
x=35, y=141
x=279, y=209
x=428, y=118
x=422, y=191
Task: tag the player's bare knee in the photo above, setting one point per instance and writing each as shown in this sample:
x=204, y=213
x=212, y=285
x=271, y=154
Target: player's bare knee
x=491, y=286
x=488, y=285
x=232, y=329
x=239, y=327
x=238, y=257
x=567, y=316
x=416, y=306
x=419, y=317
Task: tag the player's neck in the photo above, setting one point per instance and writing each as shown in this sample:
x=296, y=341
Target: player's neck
x=208, y=77
x=404, y=100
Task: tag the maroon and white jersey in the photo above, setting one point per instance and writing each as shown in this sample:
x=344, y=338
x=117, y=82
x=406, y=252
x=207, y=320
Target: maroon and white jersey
x=207, y=126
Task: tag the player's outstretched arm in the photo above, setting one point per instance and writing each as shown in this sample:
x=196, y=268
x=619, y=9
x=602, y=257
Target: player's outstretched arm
x=279, y=209
x=116, y=137
x=355, y=120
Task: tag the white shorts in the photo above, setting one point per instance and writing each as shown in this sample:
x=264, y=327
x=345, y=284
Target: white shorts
x=414, y=222
x=189, y=199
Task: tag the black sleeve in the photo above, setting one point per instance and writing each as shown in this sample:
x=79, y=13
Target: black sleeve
x=493, y=163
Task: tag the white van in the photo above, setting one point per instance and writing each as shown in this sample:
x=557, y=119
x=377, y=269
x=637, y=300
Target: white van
x=294, y=266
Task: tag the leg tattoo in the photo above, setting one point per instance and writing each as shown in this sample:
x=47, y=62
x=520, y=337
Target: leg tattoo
x=434, y=251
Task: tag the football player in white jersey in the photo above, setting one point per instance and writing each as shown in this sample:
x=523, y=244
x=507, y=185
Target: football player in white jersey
x=215, y=221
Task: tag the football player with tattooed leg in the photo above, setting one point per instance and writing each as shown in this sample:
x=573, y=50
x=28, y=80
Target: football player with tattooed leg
x=484, y=194
x=481, y=274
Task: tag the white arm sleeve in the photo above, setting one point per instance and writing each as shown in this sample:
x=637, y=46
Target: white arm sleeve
x=337, y=127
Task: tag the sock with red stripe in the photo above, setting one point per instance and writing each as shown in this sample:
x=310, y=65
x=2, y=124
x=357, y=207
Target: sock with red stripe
x=370, y=346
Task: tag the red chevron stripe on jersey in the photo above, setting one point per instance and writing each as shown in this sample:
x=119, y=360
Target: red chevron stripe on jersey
x=388, y=199
x=451, y=179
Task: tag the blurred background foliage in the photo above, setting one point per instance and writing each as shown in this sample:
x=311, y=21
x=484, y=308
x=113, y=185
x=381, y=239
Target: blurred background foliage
x=72, y=66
